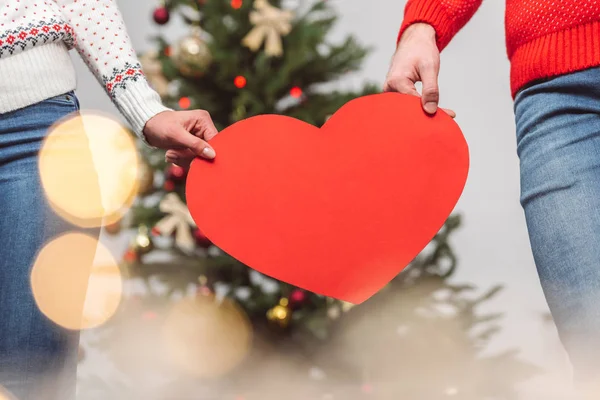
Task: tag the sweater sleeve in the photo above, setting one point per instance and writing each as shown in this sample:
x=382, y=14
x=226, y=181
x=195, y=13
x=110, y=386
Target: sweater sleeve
x=447, y=17
x=102, y=41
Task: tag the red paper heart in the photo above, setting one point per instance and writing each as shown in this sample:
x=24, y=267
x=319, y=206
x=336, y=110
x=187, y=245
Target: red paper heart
x=340, y=210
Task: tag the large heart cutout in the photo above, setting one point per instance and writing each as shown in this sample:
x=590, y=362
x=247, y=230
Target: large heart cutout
x=340, y=210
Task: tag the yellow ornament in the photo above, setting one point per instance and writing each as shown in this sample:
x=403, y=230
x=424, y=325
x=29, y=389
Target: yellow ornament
x=192, y=54
x=142, y=243
x=145, y=178
x=281, y=314
x=207, y=338
x=270, y=24
x=152, y=68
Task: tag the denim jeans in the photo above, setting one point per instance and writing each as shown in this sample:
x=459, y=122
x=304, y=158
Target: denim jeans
x=38, y=358
x=558, y=143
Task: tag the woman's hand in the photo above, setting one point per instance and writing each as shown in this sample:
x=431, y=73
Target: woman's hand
x=417, y=59
x=184, y=134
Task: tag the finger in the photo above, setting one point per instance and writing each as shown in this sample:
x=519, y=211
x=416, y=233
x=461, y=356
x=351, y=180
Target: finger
x=449, y=112
x=401, y=85
x=431, y=91
x=197, y=146
x=203, y=125
x=181, y=157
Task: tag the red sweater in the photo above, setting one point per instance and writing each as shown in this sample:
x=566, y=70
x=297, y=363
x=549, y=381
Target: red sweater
x=544, y=38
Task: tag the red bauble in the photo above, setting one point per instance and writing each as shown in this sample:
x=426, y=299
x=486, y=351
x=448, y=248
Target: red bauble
x=297, y=297
x=201, y=240
x=176, y=173
x=296, y=92
x=161, y=15
x=131, y=256
x=169, y=185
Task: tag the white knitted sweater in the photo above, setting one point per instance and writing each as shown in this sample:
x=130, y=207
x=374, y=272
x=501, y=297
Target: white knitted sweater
x=35, y=37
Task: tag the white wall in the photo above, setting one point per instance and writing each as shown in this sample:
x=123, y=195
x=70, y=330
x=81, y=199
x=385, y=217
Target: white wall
x=492, y=245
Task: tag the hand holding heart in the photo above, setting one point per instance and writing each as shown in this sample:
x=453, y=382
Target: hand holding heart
x=340, y=210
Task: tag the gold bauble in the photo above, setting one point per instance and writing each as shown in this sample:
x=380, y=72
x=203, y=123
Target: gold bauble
x=205, y=337
x=142, y=243
x=192, y=54
x=145, y=178
x=281, y=314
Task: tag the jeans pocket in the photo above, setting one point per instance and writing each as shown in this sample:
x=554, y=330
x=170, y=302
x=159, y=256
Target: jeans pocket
x=67, y=99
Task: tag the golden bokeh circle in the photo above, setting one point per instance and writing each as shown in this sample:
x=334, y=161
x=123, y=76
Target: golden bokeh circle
x=76, y=282
x=207, y=338
x=5, y=395
x=89, y=169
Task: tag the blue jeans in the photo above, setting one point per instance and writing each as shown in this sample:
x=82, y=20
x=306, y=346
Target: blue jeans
x=38, y=358
x=558, y=143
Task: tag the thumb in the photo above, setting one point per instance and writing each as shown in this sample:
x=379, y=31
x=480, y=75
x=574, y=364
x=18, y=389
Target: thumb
x=431, y=92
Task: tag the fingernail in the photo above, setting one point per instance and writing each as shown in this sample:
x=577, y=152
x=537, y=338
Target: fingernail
x=209, y=152
x=430, y=107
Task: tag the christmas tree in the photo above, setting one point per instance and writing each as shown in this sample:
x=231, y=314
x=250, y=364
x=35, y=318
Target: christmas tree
x=198, y=324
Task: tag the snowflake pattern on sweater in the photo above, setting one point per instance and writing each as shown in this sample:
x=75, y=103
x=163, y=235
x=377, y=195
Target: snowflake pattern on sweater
x=33, y=34
x=95, y=28
x=36, y=35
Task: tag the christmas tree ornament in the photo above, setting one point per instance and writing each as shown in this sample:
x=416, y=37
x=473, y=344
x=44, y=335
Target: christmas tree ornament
x=178, y=221
x=114, y=228
x=153, y=71
x=207, y=338
x=236, y=4
x=281, y=314
x=296, y=92
x=169, y=185
x=145, y=178
x=142, y=242
x=297, y=297
x=161, y=15
x=239, y=82
x=192, y=55
x=270, y=24
x=175, y=173
x=131, y=256
x=184, y=103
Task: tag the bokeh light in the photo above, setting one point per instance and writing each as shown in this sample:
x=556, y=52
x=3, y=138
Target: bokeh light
x=237, y=4
x=76, y=282
x=296, y=92
x=206, y=338
x=185, y=103
x=5, y=395
x=89, y=169
x=239, y=82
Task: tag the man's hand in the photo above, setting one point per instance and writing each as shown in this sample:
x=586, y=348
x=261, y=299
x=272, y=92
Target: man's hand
x=417, y=59
x=183, y=134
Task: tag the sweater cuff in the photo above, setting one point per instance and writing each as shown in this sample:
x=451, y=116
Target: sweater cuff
x=138, y=103
x=432, y=13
